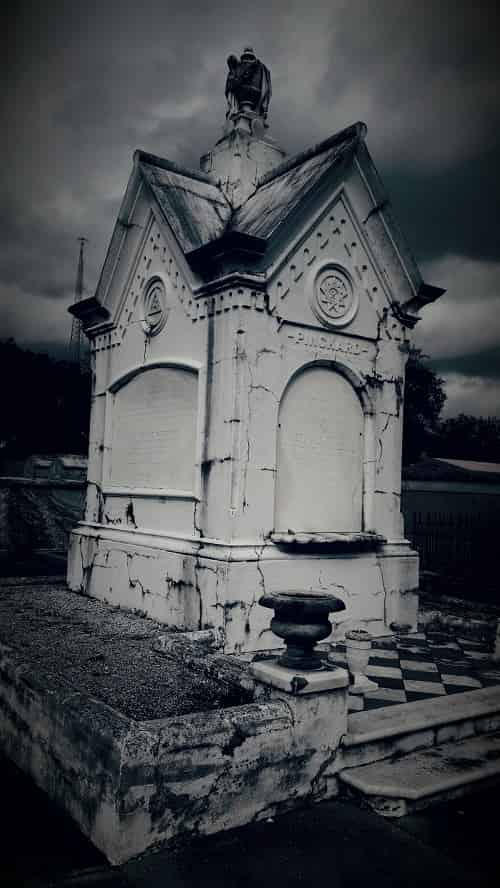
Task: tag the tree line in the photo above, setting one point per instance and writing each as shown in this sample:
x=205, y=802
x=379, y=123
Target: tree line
x=425, y=433
x=45, y=404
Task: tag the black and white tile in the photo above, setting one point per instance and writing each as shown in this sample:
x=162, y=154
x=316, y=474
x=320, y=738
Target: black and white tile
x=421, y=666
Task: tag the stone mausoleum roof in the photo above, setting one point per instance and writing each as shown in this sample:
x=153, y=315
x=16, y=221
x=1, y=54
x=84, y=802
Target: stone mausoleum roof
x=200, y=214
x=208, y=226
x=248, y=201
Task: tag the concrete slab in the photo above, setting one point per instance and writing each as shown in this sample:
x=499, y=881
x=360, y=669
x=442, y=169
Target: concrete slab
x=428, y=775
x=108, y=654
x=132, y=785
x=299, y=682
x=454, y=846
x=421, y=715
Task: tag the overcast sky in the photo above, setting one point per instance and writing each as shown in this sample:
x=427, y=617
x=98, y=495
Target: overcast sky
x=87, y=83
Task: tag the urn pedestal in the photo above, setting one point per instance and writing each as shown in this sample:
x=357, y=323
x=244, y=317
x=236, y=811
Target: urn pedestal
x=358, y=645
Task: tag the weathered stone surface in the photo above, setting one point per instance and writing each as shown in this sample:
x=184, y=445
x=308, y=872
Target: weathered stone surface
x=303, y=682
x=113, y=655
x=132, y=785
x=190, y=585
x=319, y=473
x=163, y=400
x=414, y=781
x=238, y=161
x=397, y=730
x=286, y=311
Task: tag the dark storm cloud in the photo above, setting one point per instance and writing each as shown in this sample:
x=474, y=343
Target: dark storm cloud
x=485, y=364
x=456, y=212
x=89, y=83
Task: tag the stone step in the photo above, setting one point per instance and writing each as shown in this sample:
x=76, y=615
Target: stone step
x=396, y=787
x=396, y=730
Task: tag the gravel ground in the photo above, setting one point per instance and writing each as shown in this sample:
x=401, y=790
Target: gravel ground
x=102, y=651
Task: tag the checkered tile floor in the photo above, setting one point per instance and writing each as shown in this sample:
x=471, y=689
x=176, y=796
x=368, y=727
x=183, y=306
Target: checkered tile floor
x=417, y=667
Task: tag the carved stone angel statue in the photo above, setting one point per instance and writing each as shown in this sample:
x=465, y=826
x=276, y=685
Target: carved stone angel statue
x=248, y=85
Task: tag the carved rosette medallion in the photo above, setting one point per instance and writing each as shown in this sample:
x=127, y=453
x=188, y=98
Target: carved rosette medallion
x=333, y=298
x=154, y=305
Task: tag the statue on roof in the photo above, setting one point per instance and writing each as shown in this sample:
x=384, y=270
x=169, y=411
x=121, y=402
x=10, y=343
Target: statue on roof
x=248, y=85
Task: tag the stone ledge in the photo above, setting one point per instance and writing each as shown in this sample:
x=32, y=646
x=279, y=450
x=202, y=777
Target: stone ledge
x=393, y=731
x=413, y=781
x=337, y=541
x=135, y=785
x=294, y=682
x=380, y=724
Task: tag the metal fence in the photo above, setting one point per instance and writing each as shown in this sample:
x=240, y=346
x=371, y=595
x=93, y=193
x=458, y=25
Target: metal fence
x=456, y=544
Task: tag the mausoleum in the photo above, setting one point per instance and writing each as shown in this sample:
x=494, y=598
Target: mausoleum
x=248, y=337
x=249, y=334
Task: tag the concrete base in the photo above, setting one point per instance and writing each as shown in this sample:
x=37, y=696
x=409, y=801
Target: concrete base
x=199, y=584
x=362, y=685
x=134, y=785
x=394, y=788
x=355, y=703
x=303, y=682
x=393, y=731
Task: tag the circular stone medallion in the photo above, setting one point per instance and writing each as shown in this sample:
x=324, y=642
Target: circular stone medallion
x=154, y=303
x=334, y=300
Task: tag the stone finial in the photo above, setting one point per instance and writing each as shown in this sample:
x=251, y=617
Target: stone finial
x=248, y=86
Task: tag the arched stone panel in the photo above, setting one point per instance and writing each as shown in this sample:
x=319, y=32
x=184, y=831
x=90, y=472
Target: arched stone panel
x=319, y=481
x=154, y=422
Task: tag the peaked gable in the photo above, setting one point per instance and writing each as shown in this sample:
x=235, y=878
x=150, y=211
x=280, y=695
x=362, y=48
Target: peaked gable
x=212, y=240
x=287, y=187
x=329, y=279
x=192, y=204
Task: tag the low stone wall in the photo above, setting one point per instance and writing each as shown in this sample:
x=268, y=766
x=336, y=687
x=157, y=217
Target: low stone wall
x=37, y=515
x=133, y=785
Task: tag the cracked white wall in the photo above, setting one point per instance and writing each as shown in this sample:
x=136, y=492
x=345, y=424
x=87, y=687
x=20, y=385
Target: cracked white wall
x=204, y=560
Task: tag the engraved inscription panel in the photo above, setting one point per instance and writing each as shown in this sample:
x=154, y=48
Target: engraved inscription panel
x=319, y=483
x=154, y=430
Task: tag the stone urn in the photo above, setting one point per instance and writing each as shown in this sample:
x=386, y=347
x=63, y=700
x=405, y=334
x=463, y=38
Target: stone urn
x=301, y=620
x=358, y=644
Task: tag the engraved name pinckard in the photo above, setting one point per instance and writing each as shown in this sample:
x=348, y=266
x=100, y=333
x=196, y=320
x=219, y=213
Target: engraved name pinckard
x=325, y=343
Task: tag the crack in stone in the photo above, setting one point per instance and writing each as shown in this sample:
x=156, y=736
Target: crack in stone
x=316, y=788
x=197, y=589
x=110, y=520
x=133, y=583
x=129, y=514
x=264, y=388
x=196, y=525
x=389, y=417
x=384, y=590
x=264, y=351
x=100, y=500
